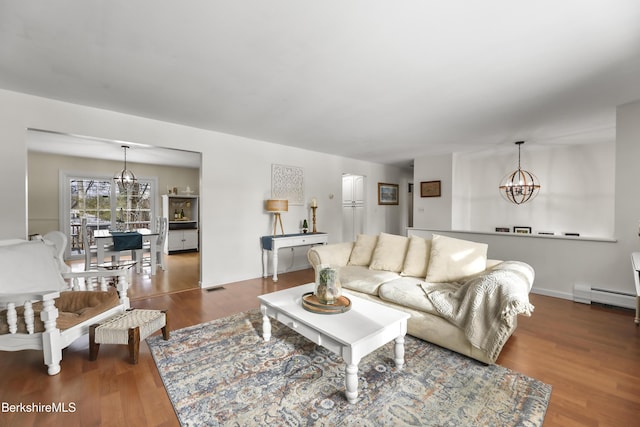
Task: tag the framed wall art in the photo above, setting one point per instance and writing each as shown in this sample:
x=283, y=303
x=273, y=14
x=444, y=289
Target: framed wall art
x=522, y=230
x=287, y=182
x=430, y=189
x=387, y=194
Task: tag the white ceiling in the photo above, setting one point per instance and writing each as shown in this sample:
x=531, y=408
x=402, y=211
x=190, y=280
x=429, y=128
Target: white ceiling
x=379, y=80
x=82, y=146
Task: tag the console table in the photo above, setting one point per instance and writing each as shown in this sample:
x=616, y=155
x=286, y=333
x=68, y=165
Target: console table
x=273, y=243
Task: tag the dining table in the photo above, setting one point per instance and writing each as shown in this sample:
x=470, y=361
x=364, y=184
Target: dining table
x=105, y=238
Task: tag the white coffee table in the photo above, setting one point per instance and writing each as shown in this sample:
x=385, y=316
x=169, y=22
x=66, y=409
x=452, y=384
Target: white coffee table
x=352, y=335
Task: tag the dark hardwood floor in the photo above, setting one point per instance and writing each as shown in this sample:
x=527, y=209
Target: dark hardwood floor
x=589, y=354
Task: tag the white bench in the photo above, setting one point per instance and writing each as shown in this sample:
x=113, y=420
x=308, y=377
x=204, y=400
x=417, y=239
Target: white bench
x=34, y=286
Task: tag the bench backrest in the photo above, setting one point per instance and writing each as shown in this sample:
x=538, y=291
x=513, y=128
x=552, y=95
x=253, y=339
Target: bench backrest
x=29, y=266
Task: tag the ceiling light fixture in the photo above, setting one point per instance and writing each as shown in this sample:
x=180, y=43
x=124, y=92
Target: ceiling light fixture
x=519, y=186
x=125, y=178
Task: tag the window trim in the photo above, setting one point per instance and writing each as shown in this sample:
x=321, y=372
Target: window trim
x=64, y=200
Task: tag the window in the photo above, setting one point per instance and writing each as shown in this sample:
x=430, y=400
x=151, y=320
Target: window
x=134, y=208
x=104, y=206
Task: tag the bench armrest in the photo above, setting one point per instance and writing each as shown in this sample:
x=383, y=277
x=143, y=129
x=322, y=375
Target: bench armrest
x=29, y=296
x=48, y=315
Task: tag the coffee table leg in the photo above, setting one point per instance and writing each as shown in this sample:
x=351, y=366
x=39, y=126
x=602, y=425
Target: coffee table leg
x=351, y=382
x=266, y=324
x=399, y=352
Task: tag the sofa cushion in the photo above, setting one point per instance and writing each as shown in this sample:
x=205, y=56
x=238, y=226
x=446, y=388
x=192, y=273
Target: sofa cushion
x=454, y=259
x=361, y=279
x=363, y=250
x=417, y=259
x=389, y=253
x=407, y=292
x=29, y=266
x=78, y=306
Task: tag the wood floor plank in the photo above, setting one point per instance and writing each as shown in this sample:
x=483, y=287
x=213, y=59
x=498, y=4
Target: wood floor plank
x=589, y=354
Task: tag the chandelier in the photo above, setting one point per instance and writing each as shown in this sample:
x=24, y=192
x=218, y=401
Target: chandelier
x=519, y=186
x=125, y=178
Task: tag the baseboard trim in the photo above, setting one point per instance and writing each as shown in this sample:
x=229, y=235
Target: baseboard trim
x=552, y=293
x=586, y=294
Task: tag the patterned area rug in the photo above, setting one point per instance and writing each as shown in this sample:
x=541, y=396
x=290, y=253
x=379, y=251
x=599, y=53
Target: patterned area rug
x=223, y=373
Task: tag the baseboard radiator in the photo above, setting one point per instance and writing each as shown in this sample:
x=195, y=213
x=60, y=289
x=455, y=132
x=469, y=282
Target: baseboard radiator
x=587, y=295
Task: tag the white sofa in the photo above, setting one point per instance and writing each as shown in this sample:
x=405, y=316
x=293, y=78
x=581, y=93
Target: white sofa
x=457, y=298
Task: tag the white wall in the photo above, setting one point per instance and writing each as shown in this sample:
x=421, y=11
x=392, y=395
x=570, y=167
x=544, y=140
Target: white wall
x=627, y=205
x=236, y=178
x=435, y=212
x=577, y=194
x=561, y=263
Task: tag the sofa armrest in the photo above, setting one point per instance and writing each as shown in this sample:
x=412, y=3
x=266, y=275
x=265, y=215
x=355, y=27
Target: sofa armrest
x=335, y=254
x=492, y=263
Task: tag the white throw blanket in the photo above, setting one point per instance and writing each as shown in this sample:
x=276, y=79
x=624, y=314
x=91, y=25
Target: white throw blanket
x=485, y=306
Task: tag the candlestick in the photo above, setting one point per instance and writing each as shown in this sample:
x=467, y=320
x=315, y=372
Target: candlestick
x=313, y=208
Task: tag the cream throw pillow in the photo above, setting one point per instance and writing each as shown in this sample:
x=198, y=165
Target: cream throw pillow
x=362, y=250
x=454, y=259
x=389, y=253
x=417, y=259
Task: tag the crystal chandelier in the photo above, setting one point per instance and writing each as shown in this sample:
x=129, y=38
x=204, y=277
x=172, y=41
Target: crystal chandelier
x=125, y=178
x=519, y=186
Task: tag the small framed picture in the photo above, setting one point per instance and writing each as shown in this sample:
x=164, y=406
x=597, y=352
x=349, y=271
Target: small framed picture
x=430, y=189
x=522, y=230
x=387, y=194
x=503, y=230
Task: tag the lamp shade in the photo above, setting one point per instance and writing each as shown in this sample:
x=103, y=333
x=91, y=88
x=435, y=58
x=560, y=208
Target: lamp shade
x=277, y=205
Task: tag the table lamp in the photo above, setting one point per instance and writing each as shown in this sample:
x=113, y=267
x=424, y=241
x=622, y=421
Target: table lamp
x=277, y=206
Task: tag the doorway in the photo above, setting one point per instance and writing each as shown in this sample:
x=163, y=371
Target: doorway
x=51, y=155
x=353, y=206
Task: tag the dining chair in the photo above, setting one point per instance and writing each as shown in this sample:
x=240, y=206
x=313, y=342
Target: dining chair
x=91, y=251
x=162, y=237
x=160, y=226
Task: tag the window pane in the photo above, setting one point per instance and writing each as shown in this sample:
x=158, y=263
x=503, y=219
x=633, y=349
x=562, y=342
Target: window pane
x=100, y=201
x=134, y=206
x=90, y=199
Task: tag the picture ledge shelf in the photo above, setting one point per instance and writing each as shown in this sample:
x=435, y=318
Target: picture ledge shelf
x=526, y=236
